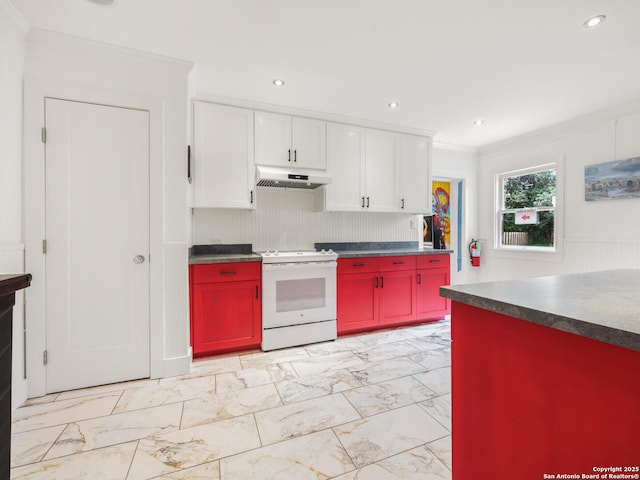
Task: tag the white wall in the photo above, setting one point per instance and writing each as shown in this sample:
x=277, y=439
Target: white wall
x=451, y=163
x=597, y=235
x=71, y=68
x=12, y=48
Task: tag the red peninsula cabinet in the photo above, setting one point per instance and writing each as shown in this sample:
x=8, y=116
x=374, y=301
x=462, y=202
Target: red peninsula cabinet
x=225, y=307
x=386, y=291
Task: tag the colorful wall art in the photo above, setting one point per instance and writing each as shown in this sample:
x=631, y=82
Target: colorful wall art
x=440, y=202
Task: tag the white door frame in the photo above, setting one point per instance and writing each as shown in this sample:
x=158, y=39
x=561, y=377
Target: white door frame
x=34, y=215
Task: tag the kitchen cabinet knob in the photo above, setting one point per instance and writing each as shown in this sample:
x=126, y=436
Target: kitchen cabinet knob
x=138, y=259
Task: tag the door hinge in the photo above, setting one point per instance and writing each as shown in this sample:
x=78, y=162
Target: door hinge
x=44, y=135
x=44, y=246
x=45, y=358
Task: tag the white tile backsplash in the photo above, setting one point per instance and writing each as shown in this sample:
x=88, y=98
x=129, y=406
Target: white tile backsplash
x=286, y=219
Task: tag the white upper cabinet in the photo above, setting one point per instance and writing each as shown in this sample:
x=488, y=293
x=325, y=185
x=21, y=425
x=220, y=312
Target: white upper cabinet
x=415, y=174
x=345, y=166
x=223, y=159
x=381, y=171
x=285, y=141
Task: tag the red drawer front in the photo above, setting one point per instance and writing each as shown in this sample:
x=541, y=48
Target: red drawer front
x=404, y=262
x=225, y=272
x=358, y=265
x=433, y=261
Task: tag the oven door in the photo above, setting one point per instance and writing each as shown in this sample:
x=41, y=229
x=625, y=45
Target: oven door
x=298, y=293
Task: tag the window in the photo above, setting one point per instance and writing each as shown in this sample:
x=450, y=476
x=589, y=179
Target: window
x=527, y=209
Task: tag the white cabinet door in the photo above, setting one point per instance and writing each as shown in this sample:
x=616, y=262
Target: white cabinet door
x=415, y=174
x=309, y=142
x=224, y=171
x=285, y=141
x=345, y=165
x=381, y=178
x=273, y=139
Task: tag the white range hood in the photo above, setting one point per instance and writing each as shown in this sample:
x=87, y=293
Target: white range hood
x=289, y=178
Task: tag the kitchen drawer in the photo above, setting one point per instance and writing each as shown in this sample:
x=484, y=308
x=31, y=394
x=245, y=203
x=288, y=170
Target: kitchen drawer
x=403, y=262
x=358, y=265
x=433, y=261
x=225, y=272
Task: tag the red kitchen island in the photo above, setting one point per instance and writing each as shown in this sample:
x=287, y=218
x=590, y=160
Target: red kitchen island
x=546, y=377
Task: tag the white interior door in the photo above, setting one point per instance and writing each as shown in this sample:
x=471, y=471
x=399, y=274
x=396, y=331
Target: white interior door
x=97, y=233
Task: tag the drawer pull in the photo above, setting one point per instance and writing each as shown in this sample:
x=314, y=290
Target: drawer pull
x=398, y=263
x=434, y=261
x=358, y=265
x=228, y=272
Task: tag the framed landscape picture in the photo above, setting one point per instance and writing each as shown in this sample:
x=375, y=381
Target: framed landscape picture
x=612, y=180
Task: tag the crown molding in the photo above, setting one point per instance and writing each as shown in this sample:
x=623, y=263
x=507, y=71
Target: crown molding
x=13, y=20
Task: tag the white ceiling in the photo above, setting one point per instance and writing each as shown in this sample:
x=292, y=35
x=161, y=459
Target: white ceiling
x=520, y=65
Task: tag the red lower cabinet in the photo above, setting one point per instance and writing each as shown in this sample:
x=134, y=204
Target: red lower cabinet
x=380, y=292
x=225, y=307
x=430, y=303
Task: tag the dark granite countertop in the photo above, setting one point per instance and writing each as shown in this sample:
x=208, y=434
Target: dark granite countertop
x=377, y=249
x=603, y=306
x=14, y=282
x=227, y=253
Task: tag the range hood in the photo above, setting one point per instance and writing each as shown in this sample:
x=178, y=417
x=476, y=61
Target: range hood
x=288, y=178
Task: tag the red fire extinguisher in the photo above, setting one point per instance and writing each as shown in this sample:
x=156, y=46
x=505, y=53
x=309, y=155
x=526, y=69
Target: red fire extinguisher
x=474, y=252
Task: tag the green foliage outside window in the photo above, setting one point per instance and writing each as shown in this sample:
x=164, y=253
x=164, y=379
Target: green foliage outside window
x=530, y=191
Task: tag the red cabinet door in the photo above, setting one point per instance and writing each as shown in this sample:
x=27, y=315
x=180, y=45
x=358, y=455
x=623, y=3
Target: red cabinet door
x=226, y=316
x=430, y=303
x=357, y=302
x=397, y=297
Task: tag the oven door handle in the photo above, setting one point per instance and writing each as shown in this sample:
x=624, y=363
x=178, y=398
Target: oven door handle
x=298, y=266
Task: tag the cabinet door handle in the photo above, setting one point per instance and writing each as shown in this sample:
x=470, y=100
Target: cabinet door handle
x=381, y=282
x=228, y=272
x=289, y=155
x=295, y=156
x=419, y=279
x=362, y=202
x=189, y=179
x=251, y=197
x=367, y=202
x=256, y=292
x=402, y=206
x=376, y=282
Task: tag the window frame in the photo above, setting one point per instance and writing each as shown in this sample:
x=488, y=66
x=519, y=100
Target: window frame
x=557, y=209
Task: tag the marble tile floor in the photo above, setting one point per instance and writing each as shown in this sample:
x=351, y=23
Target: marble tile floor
x=375, y=406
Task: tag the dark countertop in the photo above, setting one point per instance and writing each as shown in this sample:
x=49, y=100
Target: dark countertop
x=225, y=253
x=603, y=306
x=228, y=253
x=377, y=249
x=11, y=283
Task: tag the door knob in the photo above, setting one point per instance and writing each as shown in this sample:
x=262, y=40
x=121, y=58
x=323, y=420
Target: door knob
x=138, y=259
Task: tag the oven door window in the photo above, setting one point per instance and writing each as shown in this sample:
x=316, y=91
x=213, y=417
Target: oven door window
x=300, y=294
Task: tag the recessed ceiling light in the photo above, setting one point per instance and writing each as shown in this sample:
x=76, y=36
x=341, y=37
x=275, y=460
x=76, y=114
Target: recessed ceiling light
x=593, y=21
x=478, y=122
x=393, y=105
x=278, y=82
